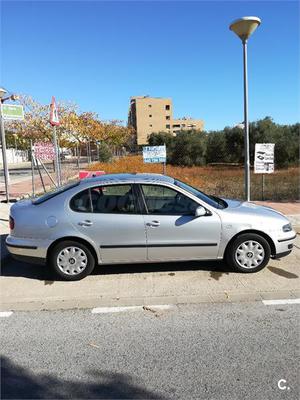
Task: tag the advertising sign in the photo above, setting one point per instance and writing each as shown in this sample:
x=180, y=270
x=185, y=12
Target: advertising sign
x=12, y=112
x=44, y=151
x=264, y=158
x=154, y=154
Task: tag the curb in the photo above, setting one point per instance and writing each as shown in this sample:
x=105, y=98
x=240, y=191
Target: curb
x=86, y=304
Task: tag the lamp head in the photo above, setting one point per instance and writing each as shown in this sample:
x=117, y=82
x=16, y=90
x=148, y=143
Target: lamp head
x=2, y=92
x=245, y=26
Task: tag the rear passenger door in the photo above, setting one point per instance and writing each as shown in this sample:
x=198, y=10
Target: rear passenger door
x=110, y=216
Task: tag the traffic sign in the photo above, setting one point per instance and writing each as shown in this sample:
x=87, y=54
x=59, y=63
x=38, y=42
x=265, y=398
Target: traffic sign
x=54, y=119
x=264, y=158
x=12, y=112
x=154, y=154
x=44, y=151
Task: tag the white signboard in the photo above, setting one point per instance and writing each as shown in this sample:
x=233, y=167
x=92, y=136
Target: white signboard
x=154, y=154
x=44, y=151
x=264, y=158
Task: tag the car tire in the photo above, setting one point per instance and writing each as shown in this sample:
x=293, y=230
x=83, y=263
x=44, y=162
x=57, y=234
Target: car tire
x=71, y=260
x=248, y=253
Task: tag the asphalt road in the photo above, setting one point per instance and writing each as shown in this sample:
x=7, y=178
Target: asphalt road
x=206, y=351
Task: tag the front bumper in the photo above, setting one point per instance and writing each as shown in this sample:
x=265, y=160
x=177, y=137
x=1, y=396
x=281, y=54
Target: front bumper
x=23, y=248
x=284, y=245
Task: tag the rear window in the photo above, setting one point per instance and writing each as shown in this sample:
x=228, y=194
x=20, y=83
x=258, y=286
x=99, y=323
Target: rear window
x=56, y=192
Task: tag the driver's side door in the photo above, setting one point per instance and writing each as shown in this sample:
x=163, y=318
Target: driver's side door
x=173, y=232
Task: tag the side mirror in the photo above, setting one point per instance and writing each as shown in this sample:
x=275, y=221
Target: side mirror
x=200, y=211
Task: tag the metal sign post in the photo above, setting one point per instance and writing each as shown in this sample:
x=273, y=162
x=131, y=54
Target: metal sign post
x=32, y=168
x=56, y=159
x=54, y=121
x=4, y=159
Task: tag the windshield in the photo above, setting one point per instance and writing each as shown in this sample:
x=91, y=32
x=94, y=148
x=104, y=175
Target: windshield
x=55, y=192
x=213, y=201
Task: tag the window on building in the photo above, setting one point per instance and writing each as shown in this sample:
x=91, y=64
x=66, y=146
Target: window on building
x=168, y=117
x=150, y=125
x=168, y=107
x=176, y=126
x=150, y=115
x=149, y=105
x=168, y=126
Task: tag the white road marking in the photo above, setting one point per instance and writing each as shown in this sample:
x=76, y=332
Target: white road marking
x=106, y=310
x=5, y=313
x=279, y=302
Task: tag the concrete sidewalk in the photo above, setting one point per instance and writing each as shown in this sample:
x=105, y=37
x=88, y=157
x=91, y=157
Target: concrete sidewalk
x=30, y=287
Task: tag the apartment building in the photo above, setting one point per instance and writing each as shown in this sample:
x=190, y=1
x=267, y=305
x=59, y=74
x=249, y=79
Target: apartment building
x=155, y=114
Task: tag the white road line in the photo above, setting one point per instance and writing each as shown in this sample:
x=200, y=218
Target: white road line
x=5, y=313
x=106, y=310
x=278, y=302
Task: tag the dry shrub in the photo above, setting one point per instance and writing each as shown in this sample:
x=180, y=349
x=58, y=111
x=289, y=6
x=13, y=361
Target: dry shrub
x=221, y=181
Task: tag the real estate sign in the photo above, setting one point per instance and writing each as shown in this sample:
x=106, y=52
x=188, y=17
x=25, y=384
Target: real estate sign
x=264, y=158
x=154, y=154
x=44, y=151
x=12, y=112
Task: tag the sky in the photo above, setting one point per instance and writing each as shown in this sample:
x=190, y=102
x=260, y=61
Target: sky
x=100, y=53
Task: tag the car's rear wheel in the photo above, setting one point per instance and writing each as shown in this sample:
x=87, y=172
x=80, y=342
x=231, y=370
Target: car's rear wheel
x=248, y=253
x=71, y=260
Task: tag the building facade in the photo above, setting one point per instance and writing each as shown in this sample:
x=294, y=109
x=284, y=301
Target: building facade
x=155, y=114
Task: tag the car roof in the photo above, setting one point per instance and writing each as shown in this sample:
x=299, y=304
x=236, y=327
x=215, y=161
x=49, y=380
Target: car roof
x=130, y=178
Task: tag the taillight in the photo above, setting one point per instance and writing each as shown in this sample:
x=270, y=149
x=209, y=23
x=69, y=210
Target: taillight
x=11, y=223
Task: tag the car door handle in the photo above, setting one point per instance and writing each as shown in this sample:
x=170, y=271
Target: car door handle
x=85, y=223
x=153, y=223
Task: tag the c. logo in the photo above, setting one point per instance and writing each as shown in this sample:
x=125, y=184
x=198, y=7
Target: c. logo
x=282, y=384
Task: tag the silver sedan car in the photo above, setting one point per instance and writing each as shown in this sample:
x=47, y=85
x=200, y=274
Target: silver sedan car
x=139, y=218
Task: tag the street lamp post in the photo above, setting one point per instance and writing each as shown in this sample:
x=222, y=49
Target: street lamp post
x=3, y=140
x=243, y=28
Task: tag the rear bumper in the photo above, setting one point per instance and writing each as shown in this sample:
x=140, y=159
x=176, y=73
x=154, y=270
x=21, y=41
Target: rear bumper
x=27, y=248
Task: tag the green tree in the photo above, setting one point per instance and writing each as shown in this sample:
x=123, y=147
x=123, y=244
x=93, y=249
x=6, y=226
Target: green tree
x=189, y=149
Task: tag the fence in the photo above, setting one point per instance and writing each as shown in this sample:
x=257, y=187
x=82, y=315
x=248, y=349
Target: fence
x=190, y=162
x=15, y=156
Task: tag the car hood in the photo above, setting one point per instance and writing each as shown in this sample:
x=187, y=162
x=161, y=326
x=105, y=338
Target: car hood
x=245, y=207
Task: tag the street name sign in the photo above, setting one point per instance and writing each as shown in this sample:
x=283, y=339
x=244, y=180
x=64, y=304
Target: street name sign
x=154, y=154
x=264, y=158
x=12, y=112
x=44, y=151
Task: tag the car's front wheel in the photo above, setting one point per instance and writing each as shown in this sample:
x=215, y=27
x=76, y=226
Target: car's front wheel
x=71, y=260
x=248, y=253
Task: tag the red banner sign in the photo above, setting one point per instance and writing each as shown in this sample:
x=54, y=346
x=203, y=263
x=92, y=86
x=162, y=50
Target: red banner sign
x=44, y=151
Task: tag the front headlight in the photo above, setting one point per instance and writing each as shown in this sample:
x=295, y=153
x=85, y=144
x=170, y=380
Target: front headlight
x=287, y=227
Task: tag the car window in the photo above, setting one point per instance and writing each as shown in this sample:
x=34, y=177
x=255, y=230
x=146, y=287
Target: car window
x=113, y=199
x=165, y=201
x=55, y=192
x=81, y=202
x=211, y=200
